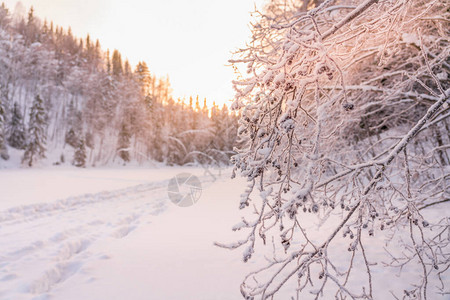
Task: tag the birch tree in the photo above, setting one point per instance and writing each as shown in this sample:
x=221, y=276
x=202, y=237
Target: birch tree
x=344, y=117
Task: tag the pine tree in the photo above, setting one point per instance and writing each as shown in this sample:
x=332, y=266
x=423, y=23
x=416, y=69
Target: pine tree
x=16, y=130
x=127, y=68
x=124, y=143
x=3, y=150
x=144, y=78
x=205, y=109
x=117, y=68
x=36, y=132
x=32, y=30
x=79, y=159
x=75, y=122
x=108, y=62
x=89, y=140
x=71, y=138
x=5, y=18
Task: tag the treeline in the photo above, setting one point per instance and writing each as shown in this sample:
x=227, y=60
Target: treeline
x=65, y=99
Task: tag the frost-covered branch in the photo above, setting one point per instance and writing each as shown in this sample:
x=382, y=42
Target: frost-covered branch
x=344, y=120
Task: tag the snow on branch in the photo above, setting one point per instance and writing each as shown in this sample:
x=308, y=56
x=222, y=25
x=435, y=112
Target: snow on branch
x=344, y=122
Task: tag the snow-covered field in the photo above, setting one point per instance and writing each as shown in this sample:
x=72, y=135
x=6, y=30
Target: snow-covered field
x=123, y=240
x=114, y=234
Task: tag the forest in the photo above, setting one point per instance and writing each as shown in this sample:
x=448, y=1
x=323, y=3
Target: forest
x=338, y=142
x=65, y=100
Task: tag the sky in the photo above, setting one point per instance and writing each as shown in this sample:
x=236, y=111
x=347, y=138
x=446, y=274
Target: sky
x=189, y=40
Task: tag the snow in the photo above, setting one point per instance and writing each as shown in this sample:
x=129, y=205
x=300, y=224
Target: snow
x=118, y=242
x=27, y=186
x=410, y=38
x=279, y=78
x=112, y=233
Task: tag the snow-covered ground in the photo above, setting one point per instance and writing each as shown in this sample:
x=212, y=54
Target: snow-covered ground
x=123, y=240
x=30, y=186
x=69, y=233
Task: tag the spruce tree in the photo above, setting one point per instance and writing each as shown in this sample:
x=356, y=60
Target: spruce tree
x=79, y=159
x=108, y=62
x=71, y=138
x=16, y=131
x=36, y=132
x=5, y=17
x=124, y=143
x=144, y=78
x=75, y=122
x=117, y=67
x=3, y=150
x=89, y=138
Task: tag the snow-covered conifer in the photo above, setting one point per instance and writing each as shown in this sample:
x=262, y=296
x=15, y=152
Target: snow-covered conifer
x=3, y=149
x=16, y=129
x=123, y=144
x=71, y=138
x=79, y=159
x=37, y=136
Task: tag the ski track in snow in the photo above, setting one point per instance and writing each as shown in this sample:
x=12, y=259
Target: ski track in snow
x=35, y=256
